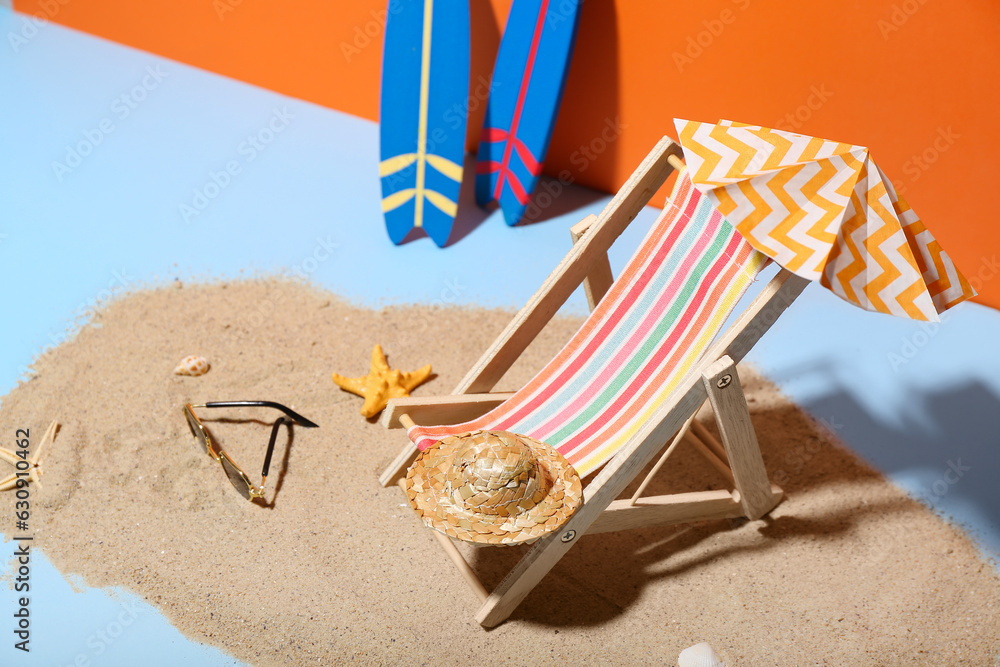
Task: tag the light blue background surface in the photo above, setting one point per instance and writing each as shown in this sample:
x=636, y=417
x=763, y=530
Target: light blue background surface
x=911, y=399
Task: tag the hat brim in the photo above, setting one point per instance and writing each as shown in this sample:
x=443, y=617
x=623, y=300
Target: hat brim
x=425, y=489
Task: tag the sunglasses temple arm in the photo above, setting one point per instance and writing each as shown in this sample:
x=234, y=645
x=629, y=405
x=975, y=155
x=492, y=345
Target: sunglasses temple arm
x=270, y=447
x=292, y=414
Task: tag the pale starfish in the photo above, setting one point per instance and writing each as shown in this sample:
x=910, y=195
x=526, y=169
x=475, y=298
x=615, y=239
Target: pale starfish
x=34, y=470
x=381, y=383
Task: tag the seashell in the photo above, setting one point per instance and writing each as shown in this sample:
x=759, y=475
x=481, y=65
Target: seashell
x=192, y=365
x=699, y=655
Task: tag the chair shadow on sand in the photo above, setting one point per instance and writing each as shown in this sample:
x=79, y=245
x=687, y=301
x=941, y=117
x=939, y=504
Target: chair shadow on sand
x=606, y=574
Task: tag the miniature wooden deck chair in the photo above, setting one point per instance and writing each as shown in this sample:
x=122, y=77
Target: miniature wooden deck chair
x=633, y=376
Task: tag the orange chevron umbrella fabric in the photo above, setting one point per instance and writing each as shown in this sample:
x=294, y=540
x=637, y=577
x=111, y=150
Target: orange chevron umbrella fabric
x=825, y=211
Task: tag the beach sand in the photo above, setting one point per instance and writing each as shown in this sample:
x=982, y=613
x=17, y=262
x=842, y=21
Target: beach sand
x=846, y=571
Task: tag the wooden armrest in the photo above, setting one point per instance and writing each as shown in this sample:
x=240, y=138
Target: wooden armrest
x=435, y=410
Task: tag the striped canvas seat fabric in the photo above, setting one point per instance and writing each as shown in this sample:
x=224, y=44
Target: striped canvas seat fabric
x=650, y=328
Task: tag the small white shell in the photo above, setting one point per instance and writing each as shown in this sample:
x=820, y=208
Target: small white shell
x=699, y=655
x=192, y=365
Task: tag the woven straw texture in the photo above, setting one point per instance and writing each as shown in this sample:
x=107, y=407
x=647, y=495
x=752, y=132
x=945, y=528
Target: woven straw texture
x=493, y=487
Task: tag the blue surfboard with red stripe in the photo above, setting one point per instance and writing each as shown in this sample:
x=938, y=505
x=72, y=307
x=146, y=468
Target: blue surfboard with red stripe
x=528, y=81
x=425, y=75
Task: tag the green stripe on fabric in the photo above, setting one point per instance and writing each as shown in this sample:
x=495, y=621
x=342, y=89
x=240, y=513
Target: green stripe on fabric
x=633, y=314
x=646, y=350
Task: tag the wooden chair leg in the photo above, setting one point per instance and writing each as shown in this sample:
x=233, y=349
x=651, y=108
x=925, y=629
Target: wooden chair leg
x=456, y=557
x=738, y=437
x=463, y=566
x=532, y=567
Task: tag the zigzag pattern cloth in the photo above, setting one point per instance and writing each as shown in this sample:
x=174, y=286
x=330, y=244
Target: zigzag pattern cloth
x=826, y=212
x=645, y=335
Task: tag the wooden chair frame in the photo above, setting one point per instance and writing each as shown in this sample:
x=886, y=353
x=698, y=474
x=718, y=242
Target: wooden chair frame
x=713, y=377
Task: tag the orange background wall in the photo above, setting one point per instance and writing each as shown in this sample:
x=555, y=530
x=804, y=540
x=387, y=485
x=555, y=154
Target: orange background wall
x=918, y=81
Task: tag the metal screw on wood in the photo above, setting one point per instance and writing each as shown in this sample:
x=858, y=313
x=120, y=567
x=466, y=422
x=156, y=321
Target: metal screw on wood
x=568, y=535
x=724, y=381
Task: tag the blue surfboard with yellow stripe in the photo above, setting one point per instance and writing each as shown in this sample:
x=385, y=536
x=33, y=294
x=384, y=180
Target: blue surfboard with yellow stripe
x=425, y=89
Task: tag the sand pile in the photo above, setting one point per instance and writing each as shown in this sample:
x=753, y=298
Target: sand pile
x=847, y=570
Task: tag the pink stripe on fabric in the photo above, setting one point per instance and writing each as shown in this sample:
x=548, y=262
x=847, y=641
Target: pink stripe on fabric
x=707, y=302
x=735, y=283
x=607, y=315
x=622, y=355
x=614, y=318
x=658, y=389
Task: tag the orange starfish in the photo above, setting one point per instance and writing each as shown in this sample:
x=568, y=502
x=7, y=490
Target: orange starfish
x=381, y=383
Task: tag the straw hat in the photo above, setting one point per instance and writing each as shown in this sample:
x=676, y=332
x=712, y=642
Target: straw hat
x=493, y=487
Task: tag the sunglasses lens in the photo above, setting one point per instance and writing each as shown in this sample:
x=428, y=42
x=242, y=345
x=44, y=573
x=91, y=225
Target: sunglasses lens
x=190, y=421
x=237, y=478
x=195, y=428
x=199, y=432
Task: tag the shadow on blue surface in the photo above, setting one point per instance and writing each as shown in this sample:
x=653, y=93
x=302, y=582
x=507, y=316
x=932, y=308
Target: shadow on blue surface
x=945, y=458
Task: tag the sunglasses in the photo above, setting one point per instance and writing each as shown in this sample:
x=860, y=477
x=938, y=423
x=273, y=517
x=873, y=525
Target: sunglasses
x=236, y=476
